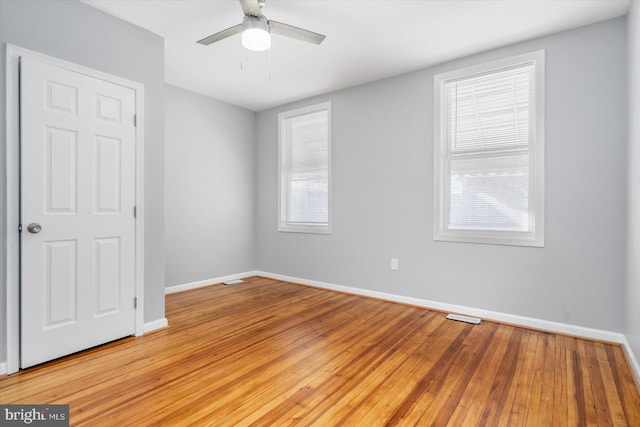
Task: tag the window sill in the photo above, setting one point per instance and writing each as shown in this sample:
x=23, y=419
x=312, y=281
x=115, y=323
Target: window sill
x=496, y=238
x=304, y=228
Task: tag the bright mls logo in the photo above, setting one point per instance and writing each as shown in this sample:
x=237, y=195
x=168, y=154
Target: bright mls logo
x=35, y=415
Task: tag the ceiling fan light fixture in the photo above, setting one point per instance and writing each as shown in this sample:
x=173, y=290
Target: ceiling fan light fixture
x=255, y=33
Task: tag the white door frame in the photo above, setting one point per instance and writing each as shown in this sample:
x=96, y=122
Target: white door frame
x=12, y=200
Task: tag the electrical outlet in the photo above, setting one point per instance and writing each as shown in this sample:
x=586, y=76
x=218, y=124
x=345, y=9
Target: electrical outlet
x=394, y=263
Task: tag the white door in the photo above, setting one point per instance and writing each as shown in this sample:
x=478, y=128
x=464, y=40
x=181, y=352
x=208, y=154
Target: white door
x=77, y=195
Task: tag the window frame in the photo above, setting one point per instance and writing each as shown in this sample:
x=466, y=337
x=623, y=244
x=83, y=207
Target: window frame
x=283, y=149
x=442, y=187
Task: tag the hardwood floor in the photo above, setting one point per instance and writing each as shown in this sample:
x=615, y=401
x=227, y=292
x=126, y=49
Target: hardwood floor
x=271, y=353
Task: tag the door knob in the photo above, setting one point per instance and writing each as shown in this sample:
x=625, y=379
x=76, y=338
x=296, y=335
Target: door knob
x=34, y=228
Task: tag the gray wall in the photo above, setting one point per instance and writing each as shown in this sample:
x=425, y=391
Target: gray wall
x=78, y=33
x=209, y=188
x=633, y=255
x=383, y=193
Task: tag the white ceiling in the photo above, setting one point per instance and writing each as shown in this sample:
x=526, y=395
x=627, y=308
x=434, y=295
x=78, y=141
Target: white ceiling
x=366, y=40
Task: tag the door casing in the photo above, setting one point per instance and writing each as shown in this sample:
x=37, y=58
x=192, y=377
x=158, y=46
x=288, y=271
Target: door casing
x=12, y=195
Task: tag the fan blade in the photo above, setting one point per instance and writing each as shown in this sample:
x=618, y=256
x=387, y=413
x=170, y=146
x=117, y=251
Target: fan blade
x=236, y=29
x=295, y=32
x=251, y=7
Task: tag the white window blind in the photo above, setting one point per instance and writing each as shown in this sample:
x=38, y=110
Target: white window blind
x=489, y=145
x=304, y=169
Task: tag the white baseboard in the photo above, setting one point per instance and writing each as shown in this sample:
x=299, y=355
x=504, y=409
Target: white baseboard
x=3, y=368
x=512, y=319
x=156, y=324
x=207, y=282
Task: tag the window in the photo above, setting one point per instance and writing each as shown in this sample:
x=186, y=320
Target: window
x=305, y=169
x=489, y=153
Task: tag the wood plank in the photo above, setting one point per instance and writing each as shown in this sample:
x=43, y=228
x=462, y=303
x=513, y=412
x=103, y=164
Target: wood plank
x=560, y=408
x=531, y=412
x=549, y=381
x=267, y=352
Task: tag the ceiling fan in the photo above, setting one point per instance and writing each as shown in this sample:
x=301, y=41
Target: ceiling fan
x=256, y=29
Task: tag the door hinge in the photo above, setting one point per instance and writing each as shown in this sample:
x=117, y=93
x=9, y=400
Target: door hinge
x=135, y=213
x=135, y=302
x=19, y=228
x=135, y=120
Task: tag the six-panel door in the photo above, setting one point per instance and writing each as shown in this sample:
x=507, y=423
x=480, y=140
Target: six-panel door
x=78, y=186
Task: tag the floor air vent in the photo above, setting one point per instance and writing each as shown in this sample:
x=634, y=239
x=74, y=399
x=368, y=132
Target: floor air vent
x=474, y=320
x=233, y=282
